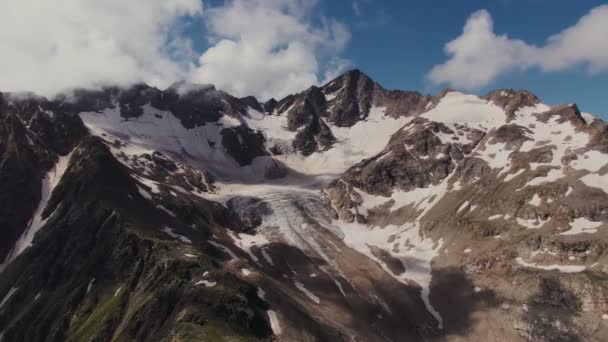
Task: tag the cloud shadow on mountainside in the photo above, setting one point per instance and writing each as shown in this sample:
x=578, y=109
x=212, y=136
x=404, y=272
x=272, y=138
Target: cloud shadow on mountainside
x=551, y=303
x=453, y=296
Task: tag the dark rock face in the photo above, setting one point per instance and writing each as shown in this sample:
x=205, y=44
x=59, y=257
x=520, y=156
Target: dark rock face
x=305, y=115
x=32, y=134
x=21, y=171
x=270, y=105
x=315, y=136
x=511, y=100
x=414, y=158
x=243, y=144
x=405, y=103
x=355, y=95
x=565, y=113
x=98, y=271
x=246, y=213
x=252, y=102
x=512, y=135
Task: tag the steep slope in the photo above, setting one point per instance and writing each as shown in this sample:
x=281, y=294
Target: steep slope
x=345, y=212
x=33, y=140
x=103, y=269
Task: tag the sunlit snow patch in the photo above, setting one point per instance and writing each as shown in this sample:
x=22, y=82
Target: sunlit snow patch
x=560, y=268
x=582, y=225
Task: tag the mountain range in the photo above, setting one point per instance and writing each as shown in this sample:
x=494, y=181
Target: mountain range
x=346, y=212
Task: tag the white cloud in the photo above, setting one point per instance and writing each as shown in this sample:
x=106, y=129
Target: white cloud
x=258, y=47
x=270, y=48
x=478, y=56
x=50, y=46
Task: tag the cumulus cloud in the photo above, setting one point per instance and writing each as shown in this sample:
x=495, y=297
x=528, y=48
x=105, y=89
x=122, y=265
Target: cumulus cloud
x=270, y=48
x=257, y=47
x=478, y=56
x=50, y=46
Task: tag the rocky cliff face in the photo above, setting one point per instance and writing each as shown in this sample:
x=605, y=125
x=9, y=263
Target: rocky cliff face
x=345, y=212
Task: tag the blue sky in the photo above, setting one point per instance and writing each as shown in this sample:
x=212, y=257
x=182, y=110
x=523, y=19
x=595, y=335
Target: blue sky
x=271, y=48
x=397, y=43
x=408, y=40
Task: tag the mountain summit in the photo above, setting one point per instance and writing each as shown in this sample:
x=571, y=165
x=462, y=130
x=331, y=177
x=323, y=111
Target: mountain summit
x=346, y=212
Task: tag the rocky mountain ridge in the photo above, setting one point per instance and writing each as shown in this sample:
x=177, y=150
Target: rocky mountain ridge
x=345, y=212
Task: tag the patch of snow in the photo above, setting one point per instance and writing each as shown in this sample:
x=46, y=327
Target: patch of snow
x=560, y=268
x=535, y=201
x=467, y=251
x=90, y=285
x=582, y=225
x=144, y=193
x=245, y=271
x=416, y=257
x=201, y=146
x=8, y=296
x=206, y=283
x=552, y=176
x=170, y=232
x=340, y=287
x=593, y=180
x=189, y=255
x=223, y=249
x=531, y=223
x=495, y=154
x=267, y=257
x=150, y=183
x=462, y=206
x=353, y=145
x=331, y=96
x=229, y=121
x=246, y=242
x=274, y=322
x=592, y=161
x=460, y=108
x=563, y=136
x=166, y=210
x=513, y=175
x=588, y=117
x=495, y=217
x=309, y=294
x=272, y=126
